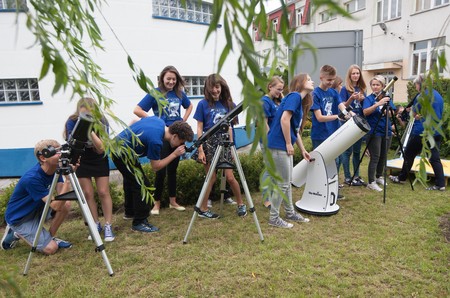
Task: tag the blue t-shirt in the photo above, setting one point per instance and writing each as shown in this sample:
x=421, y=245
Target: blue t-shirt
x=270, y=108
x=209, y=115
x=356, y=105
x=327, y=102
x=292, y=102
x=172, y=111
x=438, y=106
x=150, y=131
x=28, y=194
x=373, y=118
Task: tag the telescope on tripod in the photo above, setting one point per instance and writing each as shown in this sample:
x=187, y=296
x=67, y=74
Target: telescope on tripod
x=70, y=155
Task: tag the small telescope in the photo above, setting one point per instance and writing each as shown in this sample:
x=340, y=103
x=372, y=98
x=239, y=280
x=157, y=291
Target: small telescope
x=222, y=125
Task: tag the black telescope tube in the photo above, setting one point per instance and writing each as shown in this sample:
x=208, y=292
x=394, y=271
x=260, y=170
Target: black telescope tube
x=213, y=130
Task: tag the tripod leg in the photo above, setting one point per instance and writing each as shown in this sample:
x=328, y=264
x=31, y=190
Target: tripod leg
x=223, y=183
x=90, y=221
x=246, y=191
x=211, y=170
x=41, y=222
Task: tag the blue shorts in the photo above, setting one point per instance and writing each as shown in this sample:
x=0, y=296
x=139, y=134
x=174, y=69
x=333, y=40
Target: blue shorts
x=27, y=229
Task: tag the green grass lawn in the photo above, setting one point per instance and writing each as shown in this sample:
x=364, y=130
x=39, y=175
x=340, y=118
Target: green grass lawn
x=368, y=249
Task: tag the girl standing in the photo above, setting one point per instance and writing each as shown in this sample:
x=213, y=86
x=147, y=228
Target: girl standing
x=170, y=84
x=93, y=164
x=283, y=133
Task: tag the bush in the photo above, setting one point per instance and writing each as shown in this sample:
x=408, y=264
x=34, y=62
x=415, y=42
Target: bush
x=5, y=194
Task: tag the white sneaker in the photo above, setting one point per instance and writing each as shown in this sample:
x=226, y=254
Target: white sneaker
x=380, y=180
x=209, y=204
x=374, y=186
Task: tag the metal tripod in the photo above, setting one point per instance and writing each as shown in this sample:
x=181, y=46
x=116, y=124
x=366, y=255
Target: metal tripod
x=66, y=169
x=223, y=146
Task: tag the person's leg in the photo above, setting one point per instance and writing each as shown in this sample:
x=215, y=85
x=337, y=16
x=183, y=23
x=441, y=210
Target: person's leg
x=59, y=217
x=234, y=185
x=374, y=144
x=356, y=148
x=204, y=205
x=345, y=158
x=265, y=176
x=384, y=148
x=172, y=182
x=436, y=164
x=282, y=164
x=160, y=177
x=105, y=197
x=88, y=191
x=413, y=148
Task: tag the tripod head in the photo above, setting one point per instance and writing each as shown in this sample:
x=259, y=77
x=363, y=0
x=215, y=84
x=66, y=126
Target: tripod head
x=221, y=126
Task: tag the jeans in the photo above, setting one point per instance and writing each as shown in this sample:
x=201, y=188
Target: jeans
x=377, y=148
x=284, y=164
x=356, y=150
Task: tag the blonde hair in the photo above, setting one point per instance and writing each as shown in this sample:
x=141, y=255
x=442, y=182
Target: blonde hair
x=380, y=79
x=43, y=144
x=272, y=83
x=348, y=80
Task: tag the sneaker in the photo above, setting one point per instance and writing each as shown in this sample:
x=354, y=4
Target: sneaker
x=109, y=235
x=144, y=227
x=374, y=186
x=340, y=196
x=435, y=187
x=380, y=180
x=127, y=217
x=297, y=217
x=280, y=223
x=9, y=239
x=348, y=181
x=359, y=179
x=229, y=201
x=209, y=204
x=242, y=210
x=62, y=243
x=208, y=214
x=355, y=182
x=99, y=229
x=396, y=180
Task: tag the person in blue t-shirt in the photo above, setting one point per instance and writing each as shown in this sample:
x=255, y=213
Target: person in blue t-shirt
x=352, y=95
x=377, y=140
x=325, y=107
x=283, y=134
x=93, y=164
x=151, y=132
x=26, y=204
x=414, y=145
x=270, y=101
x=216, y=104
x=171, y=85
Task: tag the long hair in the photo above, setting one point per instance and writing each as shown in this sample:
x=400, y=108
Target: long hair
x=225, y=94
x=360, y=83
x=87, y=103
x=298, y=85
x=179, y=85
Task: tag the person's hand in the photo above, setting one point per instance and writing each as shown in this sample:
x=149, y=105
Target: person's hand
x=383, y=101
x=201, y=157
x=354, y=96
x=306, y=155
x=290, y=149
x=180, y=150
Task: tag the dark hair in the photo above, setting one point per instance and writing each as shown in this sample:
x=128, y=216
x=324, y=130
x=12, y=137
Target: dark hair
x=225, y=94
x=179, y=85
x=182, y=129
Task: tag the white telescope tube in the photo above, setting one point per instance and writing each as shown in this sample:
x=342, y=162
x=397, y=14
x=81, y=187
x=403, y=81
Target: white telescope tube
x=350, y=132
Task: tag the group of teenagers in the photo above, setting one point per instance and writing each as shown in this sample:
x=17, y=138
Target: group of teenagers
x=162, y=140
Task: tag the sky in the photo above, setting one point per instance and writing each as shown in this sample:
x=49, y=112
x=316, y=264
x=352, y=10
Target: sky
x=271, y=4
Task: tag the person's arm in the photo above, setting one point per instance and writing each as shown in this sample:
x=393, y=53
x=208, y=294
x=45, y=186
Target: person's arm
x=188, y=112
x=97, y=142
x=61, y=187
x=299, y=143
x=372, y=108
x=323, y=118
x=161, y=163
x=286, y=129
x=138, y=111
x=201, y=153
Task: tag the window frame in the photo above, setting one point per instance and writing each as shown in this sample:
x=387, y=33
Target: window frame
x=433, y=5
x=199, y=86
x=175, y=11
x=389, y=10
x=430, y=53
x=359, y=5
x=19, y=91
x=5, y=6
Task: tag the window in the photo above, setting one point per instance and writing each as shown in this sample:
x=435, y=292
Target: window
x=194, y=11
x=19, y=90
x=429, y=4
x=355, y=5
x=388, y=9
x=425, y=54
x=299, y=16
x=194, y=86
x=11, y=5
x=326, y=16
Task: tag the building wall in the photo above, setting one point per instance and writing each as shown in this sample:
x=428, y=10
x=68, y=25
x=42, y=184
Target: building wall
x=153, y=43
x=385, y=51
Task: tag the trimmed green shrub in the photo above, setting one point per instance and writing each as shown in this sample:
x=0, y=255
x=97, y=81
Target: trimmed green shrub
x=5, y=194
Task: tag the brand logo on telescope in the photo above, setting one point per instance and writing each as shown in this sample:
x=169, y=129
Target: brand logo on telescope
x=315, y=194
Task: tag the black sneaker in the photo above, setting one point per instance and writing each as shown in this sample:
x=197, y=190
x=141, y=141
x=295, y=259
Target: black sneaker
x=396, y=180
x=359, y=179
x=9, y=239
x=242, y=210
x=144, y=227
x=208, y=214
